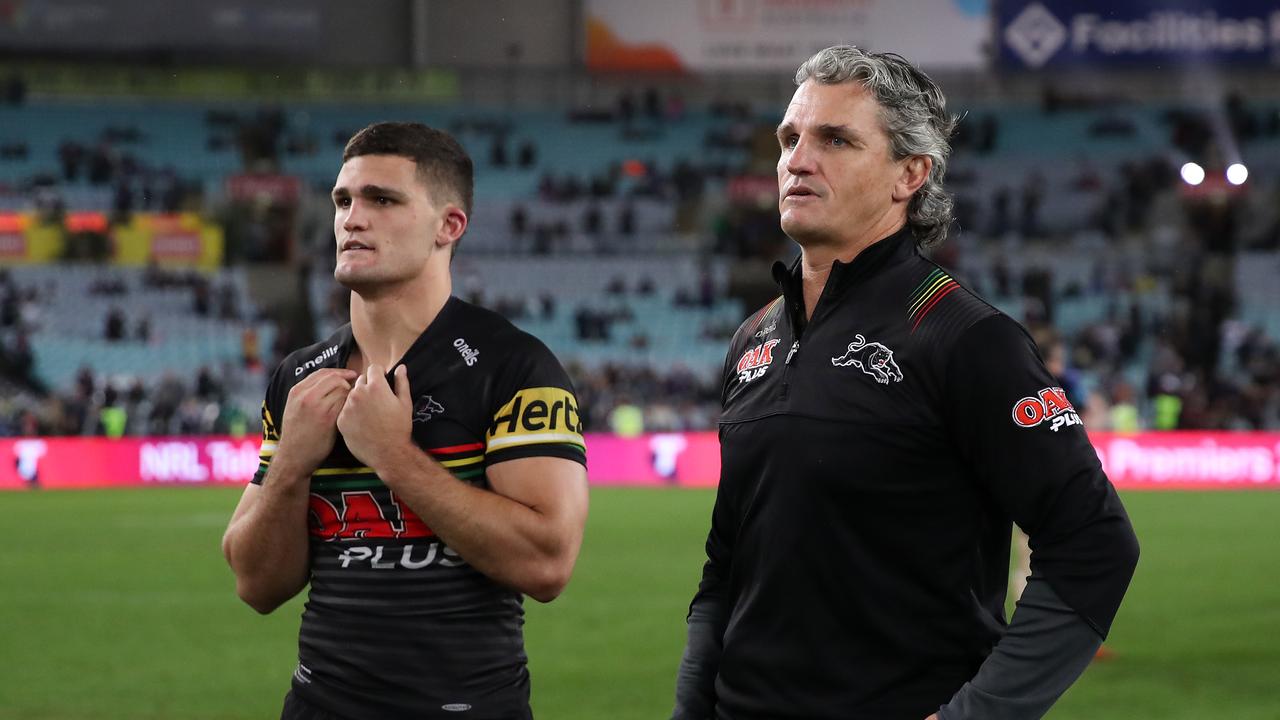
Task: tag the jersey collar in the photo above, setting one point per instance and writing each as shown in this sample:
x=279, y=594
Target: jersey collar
x=345, y=339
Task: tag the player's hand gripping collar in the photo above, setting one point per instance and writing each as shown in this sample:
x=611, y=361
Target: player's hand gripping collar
x=376, y=418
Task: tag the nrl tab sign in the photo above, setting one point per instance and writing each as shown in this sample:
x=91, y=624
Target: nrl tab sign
x=1047, y=34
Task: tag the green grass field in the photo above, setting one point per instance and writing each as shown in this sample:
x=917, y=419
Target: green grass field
x=117, y=604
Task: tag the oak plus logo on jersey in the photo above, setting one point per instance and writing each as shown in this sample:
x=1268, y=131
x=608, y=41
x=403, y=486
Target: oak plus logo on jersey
x=756, y=361
x=469, y=356
x=1048, y=405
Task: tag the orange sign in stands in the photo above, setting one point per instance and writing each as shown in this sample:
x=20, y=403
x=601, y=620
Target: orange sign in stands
x=78, y=222
x=169, y=239
x=23, y=240
x=13, y=238
x=777, y=35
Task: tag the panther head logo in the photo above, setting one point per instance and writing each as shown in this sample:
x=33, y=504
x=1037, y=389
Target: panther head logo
x=426, y=408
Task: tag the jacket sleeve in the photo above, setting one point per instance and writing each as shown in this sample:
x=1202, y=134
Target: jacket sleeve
x=708, y=616
x=1045, y=649
x=1016, y=428
x=709, y=612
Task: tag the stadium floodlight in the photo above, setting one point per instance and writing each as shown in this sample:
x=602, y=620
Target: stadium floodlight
x=1237, y=173
x=1192, y=174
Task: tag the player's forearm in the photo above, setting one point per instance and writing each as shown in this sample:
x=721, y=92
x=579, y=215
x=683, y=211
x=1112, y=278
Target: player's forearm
x=267, y=547
x=513, y=544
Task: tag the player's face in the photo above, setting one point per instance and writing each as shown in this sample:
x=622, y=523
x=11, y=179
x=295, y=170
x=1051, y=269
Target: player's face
x=385, y=222
x=836, y=174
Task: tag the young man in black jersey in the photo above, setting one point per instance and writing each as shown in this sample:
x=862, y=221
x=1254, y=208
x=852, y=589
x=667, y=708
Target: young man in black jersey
x=882, y=430
x=423, y=468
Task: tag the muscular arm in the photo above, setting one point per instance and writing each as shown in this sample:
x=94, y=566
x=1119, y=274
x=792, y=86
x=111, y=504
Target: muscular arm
x=524, y=533
x=266, y=541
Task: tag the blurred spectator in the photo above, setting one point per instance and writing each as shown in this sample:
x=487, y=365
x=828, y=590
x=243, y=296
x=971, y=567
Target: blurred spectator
x=519, y=220
x=142, y=330
x=527, y=155
x=15, y=89
x=498, y=151
x=114, y=325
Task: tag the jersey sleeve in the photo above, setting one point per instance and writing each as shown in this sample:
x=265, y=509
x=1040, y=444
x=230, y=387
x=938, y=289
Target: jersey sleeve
x=272, y=411
x=1019, y=432
x=534, y=410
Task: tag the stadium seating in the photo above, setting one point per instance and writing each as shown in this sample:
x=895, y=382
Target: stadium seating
x=70, y=330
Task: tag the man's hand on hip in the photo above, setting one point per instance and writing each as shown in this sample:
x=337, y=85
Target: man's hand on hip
x=376, y=419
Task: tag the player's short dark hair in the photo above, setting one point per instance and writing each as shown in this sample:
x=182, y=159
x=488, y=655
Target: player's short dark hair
x=442, y=163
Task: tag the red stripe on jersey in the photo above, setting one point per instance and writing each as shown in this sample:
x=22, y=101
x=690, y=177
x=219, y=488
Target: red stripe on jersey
x=455, y=449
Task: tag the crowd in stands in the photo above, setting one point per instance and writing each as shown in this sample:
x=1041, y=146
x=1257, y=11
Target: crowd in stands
x=170, y=405
x=19, y=316
x=672, y=399
x=131, y=404
x=1185, y=362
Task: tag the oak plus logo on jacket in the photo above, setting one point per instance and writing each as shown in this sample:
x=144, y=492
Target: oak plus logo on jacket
x=873, y=359
x=756, y=361
x=1048, y=405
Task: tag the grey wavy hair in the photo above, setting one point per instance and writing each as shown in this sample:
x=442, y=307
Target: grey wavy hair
x=914, y=113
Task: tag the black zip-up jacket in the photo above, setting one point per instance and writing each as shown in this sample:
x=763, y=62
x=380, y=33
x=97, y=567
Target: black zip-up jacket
x=873, y=460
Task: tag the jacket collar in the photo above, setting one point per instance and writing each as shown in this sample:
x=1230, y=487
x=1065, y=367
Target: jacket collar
x=880, y=254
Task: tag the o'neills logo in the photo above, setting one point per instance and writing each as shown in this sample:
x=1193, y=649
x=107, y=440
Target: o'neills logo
x=469, y=356
x=1049, y=404
x=755, y=362
x=317, y=361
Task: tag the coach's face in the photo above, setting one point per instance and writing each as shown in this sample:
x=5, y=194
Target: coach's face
x=838, y=182
x=387, y=226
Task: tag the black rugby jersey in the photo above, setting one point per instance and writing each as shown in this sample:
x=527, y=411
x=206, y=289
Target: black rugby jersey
x=397, y=625
x=873, y=460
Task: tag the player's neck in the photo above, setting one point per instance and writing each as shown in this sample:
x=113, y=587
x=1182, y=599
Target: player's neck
x=385, y=325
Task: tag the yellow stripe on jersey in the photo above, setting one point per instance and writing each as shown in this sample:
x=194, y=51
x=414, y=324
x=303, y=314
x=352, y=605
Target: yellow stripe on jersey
x=343, y=471
x=270, y=438
x=269, y=430
x=536, y=439
x=462, y=462
x=536, y=415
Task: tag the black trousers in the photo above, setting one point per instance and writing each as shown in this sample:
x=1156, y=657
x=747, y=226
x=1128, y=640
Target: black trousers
x=295, y=708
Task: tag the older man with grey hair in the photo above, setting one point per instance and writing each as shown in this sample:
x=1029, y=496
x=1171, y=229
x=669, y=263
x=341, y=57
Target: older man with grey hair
x=883, y=428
